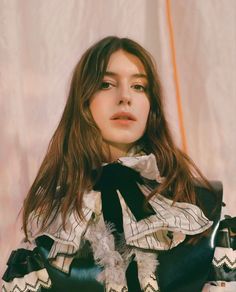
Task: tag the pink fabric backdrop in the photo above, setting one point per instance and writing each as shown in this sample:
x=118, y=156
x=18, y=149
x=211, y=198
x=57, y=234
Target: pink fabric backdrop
x=40, y=42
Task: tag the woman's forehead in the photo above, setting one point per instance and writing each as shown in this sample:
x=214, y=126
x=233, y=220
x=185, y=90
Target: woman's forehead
x=122, y=62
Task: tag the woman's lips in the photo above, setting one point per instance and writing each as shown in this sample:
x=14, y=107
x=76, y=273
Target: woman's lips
x=123, y=118
x=123, y=121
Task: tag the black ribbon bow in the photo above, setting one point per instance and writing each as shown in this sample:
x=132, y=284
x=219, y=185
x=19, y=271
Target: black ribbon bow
x=115, y=177
x=22, y=262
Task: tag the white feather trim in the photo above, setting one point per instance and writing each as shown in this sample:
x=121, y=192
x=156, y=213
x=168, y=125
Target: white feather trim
x=103, y=245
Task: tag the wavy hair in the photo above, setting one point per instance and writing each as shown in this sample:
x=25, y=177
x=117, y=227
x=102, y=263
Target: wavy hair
x=76, y=146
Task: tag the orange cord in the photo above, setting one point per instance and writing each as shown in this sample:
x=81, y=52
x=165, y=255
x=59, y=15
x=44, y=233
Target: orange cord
x=176, y=78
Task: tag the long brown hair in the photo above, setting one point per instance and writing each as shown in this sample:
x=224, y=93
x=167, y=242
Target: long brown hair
x=76, y=146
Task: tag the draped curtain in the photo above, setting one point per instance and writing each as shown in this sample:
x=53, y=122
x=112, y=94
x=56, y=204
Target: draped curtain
x=193, y=42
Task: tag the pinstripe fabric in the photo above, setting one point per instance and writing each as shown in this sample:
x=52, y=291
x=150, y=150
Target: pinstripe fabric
x=162, y=231
x=167, y=228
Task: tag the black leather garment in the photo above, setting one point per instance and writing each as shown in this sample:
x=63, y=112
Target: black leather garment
x=184, y=268
x=82, y=275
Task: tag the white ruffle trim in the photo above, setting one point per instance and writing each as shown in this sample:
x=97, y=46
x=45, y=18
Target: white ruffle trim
x=146, y=165
x=66, y=242
x=167, y=228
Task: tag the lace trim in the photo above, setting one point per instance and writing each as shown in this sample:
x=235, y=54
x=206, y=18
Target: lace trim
x=30, y=282
x=224, y=256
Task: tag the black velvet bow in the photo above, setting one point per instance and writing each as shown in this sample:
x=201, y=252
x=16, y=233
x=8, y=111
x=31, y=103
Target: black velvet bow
x=115, y=177
x=22, y=262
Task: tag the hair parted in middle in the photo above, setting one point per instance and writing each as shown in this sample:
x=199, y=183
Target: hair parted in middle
x=77, y=144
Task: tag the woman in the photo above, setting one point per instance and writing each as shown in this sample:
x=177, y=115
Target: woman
x=115, y=206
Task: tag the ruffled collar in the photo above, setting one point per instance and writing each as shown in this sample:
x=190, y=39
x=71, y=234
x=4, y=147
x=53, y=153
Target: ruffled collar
x=161, y=231
x=146, y=165
x=165, y=228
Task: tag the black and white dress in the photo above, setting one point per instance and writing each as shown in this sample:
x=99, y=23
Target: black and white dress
x=119, y=230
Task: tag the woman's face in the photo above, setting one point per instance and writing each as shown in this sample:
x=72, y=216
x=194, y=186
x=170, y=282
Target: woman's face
x=121, y=106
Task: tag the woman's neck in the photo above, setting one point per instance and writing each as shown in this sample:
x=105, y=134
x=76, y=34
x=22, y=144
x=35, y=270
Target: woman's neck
x=116, y=151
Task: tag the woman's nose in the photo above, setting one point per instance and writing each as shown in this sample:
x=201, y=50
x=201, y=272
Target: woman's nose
x=124, y=96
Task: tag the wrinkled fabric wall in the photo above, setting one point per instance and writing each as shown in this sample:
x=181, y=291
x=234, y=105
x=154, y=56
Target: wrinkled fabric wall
x=193, y=42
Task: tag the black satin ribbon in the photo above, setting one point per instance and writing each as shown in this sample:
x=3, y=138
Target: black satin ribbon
x=115, y=177
x=22, y=262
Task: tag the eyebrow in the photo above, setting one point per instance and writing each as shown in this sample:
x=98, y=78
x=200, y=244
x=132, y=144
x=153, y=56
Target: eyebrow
x=136, y=75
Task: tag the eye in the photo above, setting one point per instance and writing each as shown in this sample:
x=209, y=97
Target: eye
x=106, y=85
x=139, y=87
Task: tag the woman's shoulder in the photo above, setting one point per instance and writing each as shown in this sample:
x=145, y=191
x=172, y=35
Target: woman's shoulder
x=210, y=198
x=212, y=192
